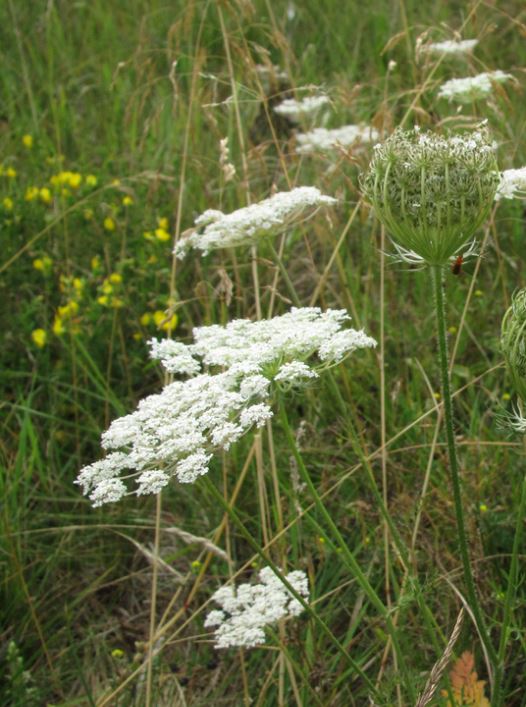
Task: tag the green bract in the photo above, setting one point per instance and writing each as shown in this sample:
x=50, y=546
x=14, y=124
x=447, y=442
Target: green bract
x=513, y=342
x=432, y=192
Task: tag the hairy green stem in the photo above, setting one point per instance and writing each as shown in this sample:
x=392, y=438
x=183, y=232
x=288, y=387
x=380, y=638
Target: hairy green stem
x=436, y=272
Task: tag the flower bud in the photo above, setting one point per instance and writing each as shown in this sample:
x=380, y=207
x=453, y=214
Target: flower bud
x=513, y=342
x=432, y=192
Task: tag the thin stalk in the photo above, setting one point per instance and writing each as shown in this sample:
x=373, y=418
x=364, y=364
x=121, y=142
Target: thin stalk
x=281, y=265
x=510, y=597
x=153, y=607
x=436, y=272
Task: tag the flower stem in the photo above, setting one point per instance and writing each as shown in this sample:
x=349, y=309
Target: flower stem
x=436, y=271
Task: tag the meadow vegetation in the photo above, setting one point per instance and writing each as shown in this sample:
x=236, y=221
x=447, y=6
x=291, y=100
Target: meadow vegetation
x=121, y=123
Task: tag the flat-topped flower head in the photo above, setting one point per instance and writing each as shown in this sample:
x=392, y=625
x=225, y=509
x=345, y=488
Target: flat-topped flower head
x=513, y=342
x=307, y=107
x=450, y=47
x=248, y=608
x=472, y=88
x=432, y=192
x=175, y=433
x=248, y=225
x=325, y=140
x=512, y=184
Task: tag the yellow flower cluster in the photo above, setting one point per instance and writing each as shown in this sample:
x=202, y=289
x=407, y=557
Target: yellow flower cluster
x=41, y=193
x=66, y=315
x=160, y=319
x=108, y=298
x=43, y=264
x=161, y=232
x=9, y=172
x=67, y=179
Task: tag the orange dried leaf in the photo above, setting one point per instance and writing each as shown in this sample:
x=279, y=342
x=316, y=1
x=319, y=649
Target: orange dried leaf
x=467, y=689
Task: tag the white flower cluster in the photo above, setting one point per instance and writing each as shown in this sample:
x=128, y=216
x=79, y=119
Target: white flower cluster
x=450, y=47
x=247, y=609
x=472, y=88
x=174, y=433
x=214, y=229
x=512, y=184
x=324, y=140
x=299, y=110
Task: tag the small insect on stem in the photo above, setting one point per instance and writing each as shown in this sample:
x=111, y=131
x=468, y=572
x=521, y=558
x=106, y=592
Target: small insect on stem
x=456, y=268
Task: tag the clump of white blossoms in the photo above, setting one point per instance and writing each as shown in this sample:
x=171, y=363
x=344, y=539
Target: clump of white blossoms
x=512, y=184
x=432, y=192
x=175, y=433
x=248, y=608
x=246, y=226
x=325, y=140
x=307, y=107
x=450, y=47
x=472, y=88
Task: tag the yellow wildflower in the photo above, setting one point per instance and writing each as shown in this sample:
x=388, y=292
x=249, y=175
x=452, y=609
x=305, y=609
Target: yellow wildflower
x=58, y=326
x=74, y=179
x=109, y=223
x=147, y=235
x=31, y=193
x=107, y=287
x=45, y=195
x=43, y=264
x=452, y=330
x=68, y=310
x=95, y=262
x=39, y=337
x=437, y=396
x=78, y=285
x=103, y=299
x=162, y=235
x=7, y=203
x=163, y=322
x=196, y=565
x=10, y=172
x=506, y=396
x=127, y=201
x=115, y=278
x=137, y=336
x=27, y=141
x=483, y=508
x=162, y=222
x=145, y=319
x=91, y=180
x=117, y=653
x=478, y=293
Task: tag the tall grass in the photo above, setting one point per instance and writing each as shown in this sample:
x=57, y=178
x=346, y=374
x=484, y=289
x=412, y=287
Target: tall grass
x=351, y=483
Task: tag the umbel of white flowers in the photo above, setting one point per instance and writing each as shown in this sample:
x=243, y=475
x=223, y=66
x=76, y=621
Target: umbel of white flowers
x=512, y=184
x=326, y=140
x=247, y=609
x=472, y=88
x=176, y=432
x=248, y=225
x=307, y=107
x=432, y=192
x=450, y=47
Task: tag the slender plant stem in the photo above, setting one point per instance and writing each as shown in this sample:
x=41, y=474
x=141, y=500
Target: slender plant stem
x=510, y=597
x=436, y=272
